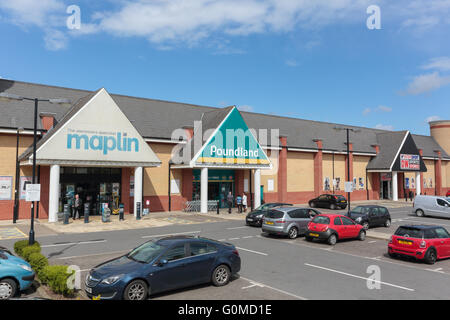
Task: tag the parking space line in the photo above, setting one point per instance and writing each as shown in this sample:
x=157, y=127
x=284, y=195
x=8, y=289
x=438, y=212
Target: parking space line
x=275, y=289
x=71, y=243
x=233, y=238
x=91, y=255
x=169, y=234
x=359, y=277
x=252, y=251
x=237, y=228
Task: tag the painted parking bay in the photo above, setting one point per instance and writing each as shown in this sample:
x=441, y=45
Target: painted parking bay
x=11, y=233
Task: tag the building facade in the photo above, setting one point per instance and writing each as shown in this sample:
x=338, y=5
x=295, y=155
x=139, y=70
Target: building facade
x=154, y=154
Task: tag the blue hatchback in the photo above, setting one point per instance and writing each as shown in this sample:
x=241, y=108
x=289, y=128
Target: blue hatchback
x=162, y=265
x=15, y=274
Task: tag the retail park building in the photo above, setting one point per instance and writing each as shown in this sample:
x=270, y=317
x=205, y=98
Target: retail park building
x=154, y=154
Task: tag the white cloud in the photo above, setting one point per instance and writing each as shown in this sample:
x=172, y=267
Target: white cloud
x=432, y=118
x=426, y=83
x=291, y=63
x=384, y=127
x=55, y=40
x=31, y=12
x=366, y=111
x=441, y=64
x=245, y=108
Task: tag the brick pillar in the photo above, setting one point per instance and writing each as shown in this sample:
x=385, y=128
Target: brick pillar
x=351, y=163
x=282, y=171
x=187, y=184
x=239, y=182
x=45, y=188
x=376, y=185
x=47, y=120
x=125, y=189
x=438, y=174
x=401, y=184
x=422, y=189
x=318, y=169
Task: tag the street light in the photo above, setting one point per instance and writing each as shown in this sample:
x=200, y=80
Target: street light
x=348, y=158
x=10, y=97
x=17, y=181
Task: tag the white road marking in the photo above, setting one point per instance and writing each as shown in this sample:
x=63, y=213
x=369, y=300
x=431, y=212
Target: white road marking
x=237, y=228
x=372, y=241
x=257, y=252
x=170, y=234
x=247, y=237
x=436, y=270
x=234, y=239
x=275, y=289
x=92, y=255
x=359, y=277
x=71, y=243
x=253, y=284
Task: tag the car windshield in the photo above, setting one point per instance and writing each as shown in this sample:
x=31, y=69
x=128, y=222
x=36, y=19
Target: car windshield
x=274, y=214
x=263, y=207
x=360, y=210
x=340, y=197
x=321, y=220
x=146, y=252
x=409, y=232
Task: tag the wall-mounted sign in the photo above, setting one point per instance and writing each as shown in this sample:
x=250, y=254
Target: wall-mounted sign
x=386, y=176
x=33, y=192
x=6, y=188
x=409, y=162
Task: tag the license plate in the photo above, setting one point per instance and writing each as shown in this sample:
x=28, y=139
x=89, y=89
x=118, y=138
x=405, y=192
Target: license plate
x=405, y=242
x=249, y=219
x=268, y=222
x=313, y=235
x=342, y=200
x=88, y=290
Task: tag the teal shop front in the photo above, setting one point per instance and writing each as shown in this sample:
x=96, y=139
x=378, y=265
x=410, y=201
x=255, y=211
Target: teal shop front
x=220, y=182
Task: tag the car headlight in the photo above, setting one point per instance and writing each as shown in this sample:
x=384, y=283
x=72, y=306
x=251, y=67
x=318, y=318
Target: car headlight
x=25, y=267
x=358, y=219
x=259, y=216
x=111, y=280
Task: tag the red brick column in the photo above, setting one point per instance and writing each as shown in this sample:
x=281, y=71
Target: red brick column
x=187, y=184
x=45, y=188
x=438, y=174
x=376, y=185
x=401, y=184
x=318, y=169
x=239, y=181
x=422, y=189
x=282, y=171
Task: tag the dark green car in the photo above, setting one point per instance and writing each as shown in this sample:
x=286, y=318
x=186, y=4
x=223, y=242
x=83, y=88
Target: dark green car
x=254, y=218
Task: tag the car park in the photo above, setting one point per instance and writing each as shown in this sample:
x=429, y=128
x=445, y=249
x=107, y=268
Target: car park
x=431, y=206
x=288, y=221
x=371, y=216
x=162, y=265
x=334, y=227
x=330, y=201
x=255, y=217
x=422, y=242
x=15, y=274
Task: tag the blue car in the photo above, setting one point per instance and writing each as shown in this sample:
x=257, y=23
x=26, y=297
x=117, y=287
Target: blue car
x=15, y=274
x=161, y=265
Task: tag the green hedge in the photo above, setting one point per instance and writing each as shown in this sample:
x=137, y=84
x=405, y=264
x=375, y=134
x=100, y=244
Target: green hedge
x=37, y=261
x=27, y=251
x=22, y=244
x=56, y=278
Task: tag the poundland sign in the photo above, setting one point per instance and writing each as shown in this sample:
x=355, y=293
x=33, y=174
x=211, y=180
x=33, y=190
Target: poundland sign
x=101, y=141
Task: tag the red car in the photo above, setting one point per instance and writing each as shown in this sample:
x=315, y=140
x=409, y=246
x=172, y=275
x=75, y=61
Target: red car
x=334, y=227
x=427, y=243
x=448, y=193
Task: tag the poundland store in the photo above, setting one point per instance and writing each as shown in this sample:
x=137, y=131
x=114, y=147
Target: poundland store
x=161, y=155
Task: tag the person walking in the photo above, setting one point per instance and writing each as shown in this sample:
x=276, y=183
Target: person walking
x=411, y=195
x=244, y=202
x=239, y=203
x=229, y=201
x=76, y=207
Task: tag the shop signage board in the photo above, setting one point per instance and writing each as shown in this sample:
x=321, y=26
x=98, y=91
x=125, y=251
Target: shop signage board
x=409, y=162
x=33, y=192
x=349, y=186
x=6, y=188
x=386, y=176
x=232, y=143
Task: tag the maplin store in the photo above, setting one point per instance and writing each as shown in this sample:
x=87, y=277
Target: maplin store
x=160, y=155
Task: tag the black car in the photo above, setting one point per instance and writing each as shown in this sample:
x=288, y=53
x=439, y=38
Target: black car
x=254, y=218
x=371, y=216
x=330, y=201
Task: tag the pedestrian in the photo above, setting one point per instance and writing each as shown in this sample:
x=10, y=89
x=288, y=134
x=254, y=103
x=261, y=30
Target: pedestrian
x=411, y=195
x=76, y=207
x=244, y=202
x=229, y=201
x=239, y=203
x=405, y=195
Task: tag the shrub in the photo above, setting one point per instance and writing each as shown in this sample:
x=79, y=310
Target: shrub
x=20, y=245
x=27, y=251
x=56, y=278
x=37, y=261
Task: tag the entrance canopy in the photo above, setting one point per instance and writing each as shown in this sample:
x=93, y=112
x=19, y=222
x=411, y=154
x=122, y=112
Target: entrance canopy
x=95, y=132
x=222, y=140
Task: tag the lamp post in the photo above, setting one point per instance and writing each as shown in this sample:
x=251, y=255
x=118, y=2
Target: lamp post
x=348, y=159
x=11, y=97
x=17, y=180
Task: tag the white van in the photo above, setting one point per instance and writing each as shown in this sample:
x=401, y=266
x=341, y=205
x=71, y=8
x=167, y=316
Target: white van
x=431, y=206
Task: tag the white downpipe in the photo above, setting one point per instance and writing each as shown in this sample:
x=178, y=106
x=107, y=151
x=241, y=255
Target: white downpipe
x=53, y=201
x=257, y=179
x=137, y=188
x=204, y=190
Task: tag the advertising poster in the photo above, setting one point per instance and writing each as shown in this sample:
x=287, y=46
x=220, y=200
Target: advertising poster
x=6, y=188
x=23, y=182
x=413, y=184
x=131, y=186
x=326, y=184
x=361, y=183
x=338, y=184
x=407, y=183
x=409, y=162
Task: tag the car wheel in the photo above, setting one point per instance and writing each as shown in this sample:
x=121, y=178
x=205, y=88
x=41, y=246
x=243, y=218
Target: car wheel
x=387, y=223
x=136, y=290
x=430, y=256
x=332, y=206
x=221, y=275
x=332, y=240
x=362, y=235
x=293, y=233
x=8, y=288
x=365, y=225
x=420, y=213
x=312, y=205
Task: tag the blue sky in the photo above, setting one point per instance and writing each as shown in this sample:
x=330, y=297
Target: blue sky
x=311, y=59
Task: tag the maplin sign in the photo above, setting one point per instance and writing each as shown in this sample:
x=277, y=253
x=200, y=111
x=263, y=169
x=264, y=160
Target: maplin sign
x=105, y=141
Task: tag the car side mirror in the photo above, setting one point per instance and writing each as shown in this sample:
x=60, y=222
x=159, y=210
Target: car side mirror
x=162, y=262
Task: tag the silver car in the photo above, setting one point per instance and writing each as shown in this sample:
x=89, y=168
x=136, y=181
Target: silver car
x=288, y=221
x=432, y=206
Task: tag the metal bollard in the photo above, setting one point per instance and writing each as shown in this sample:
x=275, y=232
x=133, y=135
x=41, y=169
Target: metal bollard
x=218, y=207
x=121, y=211
x=66, y=214
x=138, y=211
x=86, y=212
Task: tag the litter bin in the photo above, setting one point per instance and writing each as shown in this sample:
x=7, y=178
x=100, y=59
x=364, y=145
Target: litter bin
x=121, y=211
x=66, y=214
x=87, y=206
x=106, y=214
x=138, y=211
